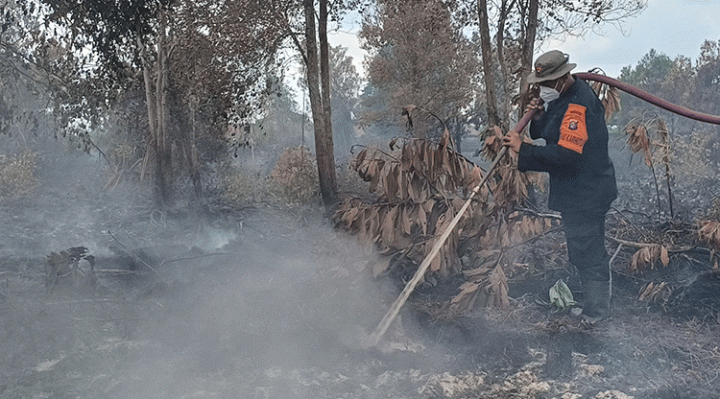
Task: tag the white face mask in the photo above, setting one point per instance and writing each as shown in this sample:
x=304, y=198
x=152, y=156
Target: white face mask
x=548, y=94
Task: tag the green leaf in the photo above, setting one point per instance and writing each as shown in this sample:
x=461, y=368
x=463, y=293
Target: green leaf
x=561, y=297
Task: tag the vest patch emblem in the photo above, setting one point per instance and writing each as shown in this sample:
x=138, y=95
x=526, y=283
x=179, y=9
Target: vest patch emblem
x=573, y=130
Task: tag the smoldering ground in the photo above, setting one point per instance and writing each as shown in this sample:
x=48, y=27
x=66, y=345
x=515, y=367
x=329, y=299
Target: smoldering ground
x=237, y=321
x=268, y=303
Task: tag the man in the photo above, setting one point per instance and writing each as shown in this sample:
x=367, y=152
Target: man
x=571, y=119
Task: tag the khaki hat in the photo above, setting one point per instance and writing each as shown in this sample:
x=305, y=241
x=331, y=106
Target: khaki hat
x=550, y=66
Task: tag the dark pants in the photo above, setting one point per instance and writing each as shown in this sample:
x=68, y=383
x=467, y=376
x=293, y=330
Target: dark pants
x=585, y=235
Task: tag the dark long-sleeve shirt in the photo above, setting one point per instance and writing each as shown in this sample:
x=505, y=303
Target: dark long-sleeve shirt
x=582, y=176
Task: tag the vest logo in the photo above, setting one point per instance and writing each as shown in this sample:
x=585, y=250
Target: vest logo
x=573, y=131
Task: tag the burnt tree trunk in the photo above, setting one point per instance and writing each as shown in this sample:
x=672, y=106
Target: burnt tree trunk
x=321, y=119
x=528, y=48
x=486, y=49
x=159, y=152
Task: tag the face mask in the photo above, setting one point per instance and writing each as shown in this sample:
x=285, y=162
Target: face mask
x=548, y=94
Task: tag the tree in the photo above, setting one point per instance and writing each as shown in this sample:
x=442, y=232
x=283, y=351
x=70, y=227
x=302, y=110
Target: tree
x=318, y=77
x=650, y=74
x=707, y=81
x=313, y=47
x=145, y=38
x=418, y=56
x=521, y=24
x=344, y=87
x=23, y=98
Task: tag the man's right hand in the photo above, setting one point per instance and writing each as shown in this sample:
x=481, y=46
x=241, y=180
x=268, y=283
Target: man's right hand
x=535, y=104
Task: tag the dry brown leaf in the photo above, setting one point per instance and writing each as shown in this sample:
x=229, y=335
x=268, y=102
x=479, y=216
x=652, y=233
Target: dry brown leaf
x=390, y=225
x=664, y=257
x=655, y=293
x=405, y=219
x=467, y=289
x=380, y=266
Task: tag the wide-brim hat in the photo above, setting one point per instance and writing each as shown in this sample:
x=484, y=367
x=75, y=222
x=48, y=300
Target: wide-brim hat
x=550, y=66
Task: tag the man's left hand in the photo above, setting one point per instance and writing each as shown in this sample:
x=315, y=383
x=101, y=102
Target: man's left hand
x=513, y=140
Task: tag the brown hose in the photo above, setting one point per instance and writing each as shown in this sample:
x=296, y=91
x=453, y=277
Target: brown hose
x=645, y=96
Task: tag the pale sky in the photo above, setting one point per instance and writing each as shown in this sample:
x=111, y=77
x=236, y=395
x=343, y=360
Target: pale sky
x=672, y=27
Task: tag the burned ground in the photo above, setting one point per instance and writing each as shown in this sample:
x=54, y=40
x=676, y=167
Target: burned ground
x=263, y=302
x=277, y=306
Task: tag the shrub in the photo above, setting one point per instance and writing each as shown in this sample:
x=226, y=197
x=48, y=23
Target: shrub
x=17, y=175
x=295, y=176
x=239, y=187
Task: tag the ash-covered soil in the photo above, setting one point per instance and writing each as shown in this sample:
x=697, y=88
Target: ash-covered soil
x=270, y=303
x=266, y=303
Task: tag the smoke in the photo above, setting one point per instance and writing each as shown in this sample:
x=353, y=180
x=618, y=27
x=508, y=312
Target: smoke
x=271, y=302
x=224, y=312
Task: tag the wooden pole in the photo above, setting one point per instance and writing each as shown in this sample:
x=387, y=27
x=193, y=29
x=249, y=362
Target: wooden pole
x=410, y=286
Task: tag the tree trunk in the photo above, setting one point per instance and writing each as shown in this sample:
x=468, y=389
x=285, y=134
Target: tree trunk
x=486, y=48
x=528, y=48
x=191, y=154
x=164, y=173
x=151, y=151
x=328, y=145
x=323, y=137
x=158, y=153
x=502, y=20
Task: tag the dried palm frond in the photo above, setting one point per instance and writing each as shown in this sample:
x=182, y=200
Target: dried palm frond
x=655, y=293
x=709, y=232
x=646, y=257
x=609, y=97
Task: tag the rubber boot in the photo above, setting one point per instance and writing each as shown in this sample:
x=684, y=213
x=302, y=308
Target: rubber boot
x=596, y=305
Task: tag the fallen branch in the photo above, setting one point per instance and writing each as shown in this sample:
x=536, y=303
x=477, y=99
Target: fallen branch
x=647, y=245
x=181, y=258
x=135, y=256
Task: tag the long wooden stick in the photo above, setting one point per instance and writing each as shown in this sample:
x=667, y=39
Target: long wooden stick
x=410, y=286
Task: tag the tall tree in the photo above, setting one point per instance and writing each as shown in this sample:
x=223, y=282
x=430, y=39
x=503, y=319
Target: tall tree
x=313, y=47
x=521, y=24
x=142, y=37
x=319, y=101
x=418, y=56
x=344, y=88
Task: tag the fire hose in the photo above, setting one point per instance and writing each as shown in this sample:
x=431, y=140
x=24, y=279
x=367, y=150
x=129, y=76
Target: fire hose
x=645, y=96
x=385, y=323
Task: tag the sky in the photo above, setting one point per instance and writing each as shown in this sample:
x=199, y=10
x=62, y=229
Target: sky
x=671, y=27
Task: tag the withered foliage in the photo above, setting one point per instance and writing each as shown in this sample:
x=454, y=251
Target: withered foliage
x=709, y=232
x=295, y=175
x=646, y=257
x=609, y=97
x=651, y=138
x=17, y=175
x=420, y=187
x=63, y=269
x=655, y=292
